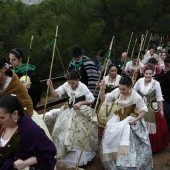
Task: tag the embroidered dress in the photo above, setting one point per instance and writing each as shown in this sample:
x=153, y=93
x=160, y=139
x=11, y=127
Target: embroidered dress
x=155, y=123
x=105, y=109
x=124, y=146
x=72, y=124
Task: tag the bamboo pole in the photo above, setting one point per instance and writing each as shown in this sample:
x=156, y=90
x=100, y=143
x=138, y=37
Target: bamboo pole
x=61, y=60
x=90, y=123
x=145, y=39
x=133, y=48
x=134, y=76
x=28, y=59
x=129, y=43
x=149, y=41
x=46, y=99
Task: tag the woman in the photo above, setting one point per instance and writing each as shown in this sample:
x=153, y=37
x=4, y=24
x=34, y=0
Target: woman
x=151, y=93
x=158, y=70
x=161, y=59
x=22, y=143
x=72, y=123
x=134, y=66
x=33, y=86
x=10, y=84
x=125, y=144
x=105, y=109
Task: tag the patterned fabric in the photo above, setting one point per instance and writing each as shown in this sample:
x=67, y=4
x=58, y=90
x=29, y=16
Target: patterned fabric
x=70, y=131
x=131, y=151
x=137, y=157
x=150, y=116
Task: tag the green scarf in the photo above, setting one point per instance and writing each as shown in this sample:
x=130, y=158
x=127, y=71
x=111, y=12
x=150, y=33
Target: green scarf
x=23, y=68
x=77, y=64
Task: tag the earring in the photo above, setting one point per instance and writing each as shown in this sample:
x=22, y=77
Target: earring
x=15, y=120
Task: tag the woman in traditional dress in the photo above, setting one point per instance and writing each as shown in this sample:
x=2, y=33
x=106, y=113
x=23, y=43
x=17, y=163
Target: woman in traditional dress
x=134, y=66
x=161, y=59
x=151, y=93
x=158, y=70
x=105, y=109
x=10, y=84
x=125, y=144
x=72, y=123
x=22, y=142
x=32, y=84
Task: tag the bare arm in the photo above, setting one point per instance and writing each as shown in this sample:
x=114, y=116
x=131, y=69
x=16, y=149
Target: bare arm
x=134, y=120
x=53, y=92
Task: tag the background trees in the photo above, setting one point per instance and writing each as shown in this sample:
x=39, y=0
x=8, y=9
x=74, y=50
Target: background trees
x=89, y=24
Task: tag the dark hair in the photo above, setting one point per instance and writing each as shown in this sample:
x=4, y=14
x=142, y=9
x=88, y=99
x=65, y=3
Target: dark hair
x=152, y=61
x=148, y=68
x=112, y=65
x=18, y=53
x=100, y=53
x=125, y=80
x=11, y=103
x=3, y=63
x=76, y=52
x=73, y=75
x=167, y=59
x=134, y=57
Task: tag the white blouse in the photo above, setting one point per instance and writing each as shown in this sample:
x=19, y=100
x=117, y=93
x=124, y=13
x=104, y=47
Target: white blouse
x=3, y=142
x=129, y=66
x=115, y=83
x=78, y=92
x=153, y=85
x=134, y=98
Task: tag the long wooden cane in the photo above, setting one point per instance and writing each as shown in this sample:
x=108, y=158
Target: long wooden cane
x=133, y=48
x=90, y=123
x=28, y=59
x=46, y=99
x=134, y=76
x=61, y=60
x=149, y=41
x=145, y=39
x=129, y=43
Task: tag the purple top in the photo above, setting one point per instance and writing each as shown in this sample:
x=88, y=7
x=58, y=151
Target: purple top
x=33, y=142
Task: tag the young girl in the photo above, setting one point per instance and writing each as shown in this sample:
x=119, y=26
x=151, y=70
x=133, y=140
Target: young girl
x=72, y=123
x=125, y=144
x=151, y=93
x=105, y=109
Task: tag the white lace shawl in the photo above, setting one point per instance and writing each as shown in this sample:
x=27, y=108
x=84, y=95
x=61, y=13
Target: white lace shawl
x=153, y=85
x=80, y=91
x=134, y=98
x=115, y=83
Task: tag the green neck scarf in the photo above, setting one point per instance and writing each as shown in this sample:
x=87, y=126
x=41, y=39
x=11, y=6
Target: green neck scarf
x=77, y=64
x=23, y=68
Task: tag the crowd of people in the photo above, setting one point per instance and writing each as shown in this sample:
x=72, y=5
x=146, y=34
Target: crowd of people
x=126, y=104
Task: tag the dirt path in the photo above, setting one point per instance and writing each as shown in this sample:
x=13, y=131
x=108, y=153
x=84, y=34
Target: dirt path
x=161, y=161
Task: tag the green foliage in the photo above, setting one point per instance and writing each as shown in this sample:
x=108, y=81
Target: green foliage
x=89, y=24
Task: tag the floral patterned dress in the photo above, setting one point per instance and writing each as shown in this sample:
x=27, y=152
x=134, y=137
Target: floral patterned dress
x=124, y=146
x=72, y=124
